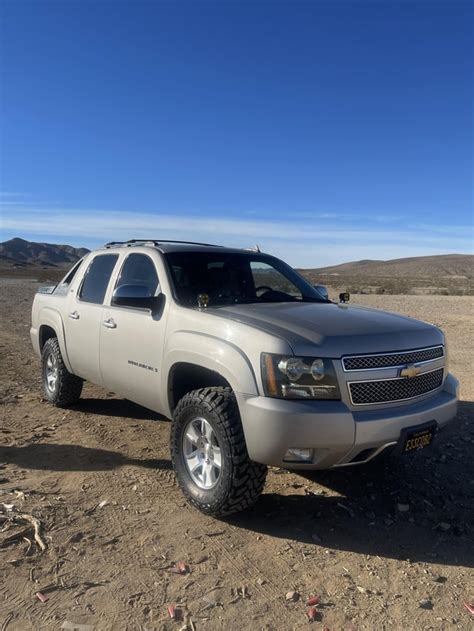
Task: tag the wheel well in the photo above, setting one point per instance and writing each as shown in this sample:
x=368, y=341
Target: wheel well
x=185, y=377
x=45, y=333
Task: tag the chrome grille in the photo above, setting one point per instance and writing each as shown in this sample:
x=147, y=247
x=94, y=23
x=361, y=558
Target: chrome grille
x=399, y=389
x=389, y=360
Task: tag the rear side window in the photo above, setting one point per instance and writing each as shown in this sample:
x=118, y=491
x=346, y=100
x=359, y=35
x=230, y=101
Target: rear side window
x=97, y=278
x=139, y=269
x=63, y=286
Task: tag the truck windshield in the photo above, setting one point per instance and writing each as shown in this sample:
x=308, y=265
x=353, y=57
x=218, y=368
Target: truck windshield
x=236, y=278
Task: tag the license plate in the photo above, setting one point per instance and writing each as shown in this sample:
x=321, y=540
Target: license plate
x=418, y=438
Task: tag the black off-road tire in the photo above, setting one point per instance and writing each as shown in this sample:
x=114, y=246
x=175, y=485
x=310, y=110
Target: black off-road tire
x=241, y=480
x=67, y=389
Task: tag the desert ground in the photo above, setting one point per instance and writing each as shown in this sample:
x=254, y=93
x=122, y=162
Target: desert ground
x=386, y=546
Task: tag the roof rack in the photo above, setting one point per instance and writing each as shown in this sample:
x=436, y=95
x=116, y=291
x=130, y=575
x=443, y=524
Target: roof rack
x=155, y=242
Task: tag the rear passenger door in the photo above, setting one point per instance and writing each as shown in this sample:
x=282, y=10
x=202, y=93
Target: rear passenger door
x=84, y=315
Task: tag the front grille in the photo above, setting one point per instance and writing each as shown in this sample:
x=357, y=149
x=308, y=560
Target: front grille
x=400, y=389
x=389, y=360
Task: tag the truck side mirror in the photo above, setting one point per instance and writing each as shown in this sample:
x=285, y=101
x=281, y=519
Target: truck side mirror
x=345, y=296
x=136, y=296
x=322, y=290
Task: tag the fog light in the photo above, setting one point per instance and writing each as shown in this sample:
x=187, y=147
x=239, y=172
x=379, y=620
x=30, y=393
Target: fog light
x=298, y=455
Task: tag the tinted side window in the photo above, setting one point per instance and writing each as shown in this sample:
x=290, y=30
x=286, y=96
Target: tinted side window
x=139, y=269
x=97, y=278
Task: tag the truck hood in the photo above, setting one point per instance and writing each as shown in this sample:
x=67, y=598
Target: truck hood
x=333, y=330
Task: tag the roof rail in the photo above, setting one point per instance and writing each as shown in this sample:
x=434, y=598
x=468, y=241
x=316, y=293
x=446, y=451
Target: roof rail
x=113, y=244
x=155, y=242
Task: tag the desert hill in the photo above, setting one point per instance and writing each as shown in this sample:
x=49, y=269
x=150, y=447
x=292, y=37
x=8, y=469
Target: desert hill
x=19, y=252
x=439, y=274
x=443, y=265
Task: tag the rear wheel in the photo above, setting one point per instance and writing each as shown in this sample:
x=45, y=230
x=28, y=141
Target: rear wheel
x=210, y=456
x=59, y=386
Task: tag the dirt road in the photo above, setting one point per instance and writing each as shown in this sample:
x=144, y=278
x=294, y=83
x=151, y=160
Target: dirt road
x=384, y=547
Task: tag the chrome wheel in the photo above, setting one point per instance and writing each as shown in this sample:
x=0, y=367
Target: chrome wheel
x=51, y=372
x=202, y=453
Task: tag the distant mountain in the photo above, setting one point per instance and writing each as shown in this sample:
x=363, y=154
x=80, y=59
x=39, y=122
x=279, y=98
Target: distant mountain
x=19, y=252
x=441, y=266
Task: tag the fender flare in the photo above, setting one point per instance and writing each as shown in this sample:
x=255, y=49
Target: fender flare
x=213, y=353
x=52, y=318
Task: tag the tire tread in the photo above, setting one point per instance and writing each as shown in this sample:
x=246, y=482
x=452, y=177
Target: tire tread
x=69, y=386
x=248, y=477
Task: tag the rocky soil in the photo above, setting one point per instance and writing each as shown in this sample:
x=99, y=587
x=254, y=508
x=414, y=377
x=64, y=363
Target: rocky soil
x=387, y=546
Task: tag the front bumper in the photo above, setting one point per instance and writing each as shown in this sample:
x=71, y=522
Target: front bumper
x=336, y=434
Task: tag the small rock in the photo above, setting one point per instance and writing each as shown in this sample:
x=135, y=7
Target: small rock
x=425, y=603
x=403, y=508
x=316, y=538
x=388, y=522
x=292, y=596
x=444, y=526
x=361, y=589
x=174, y=613
x=312, y=614
x=180, y=568
x=312, y=601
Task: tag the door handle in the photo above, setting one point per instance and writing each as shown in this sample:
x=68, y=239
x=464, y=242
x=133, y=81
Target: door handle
x=110, y=323
x=74, y=315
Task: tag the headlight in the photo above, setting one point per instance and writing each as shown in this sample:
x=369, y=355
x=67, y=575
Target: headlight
x=298, y=377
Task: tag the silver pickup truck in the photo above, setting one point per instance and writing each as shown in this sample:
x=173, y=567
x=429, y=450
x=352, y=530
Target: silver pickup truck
x=254, y=365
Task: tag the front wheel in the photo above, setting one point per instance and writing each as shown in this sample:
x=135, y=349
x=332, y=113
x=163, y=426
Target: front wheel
x=209, y=453
x=60, y=387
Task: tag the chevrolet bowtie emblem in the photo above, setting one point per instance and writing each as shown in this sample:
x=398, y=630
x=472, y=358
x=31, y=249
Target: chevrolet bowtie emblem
x=410, y=371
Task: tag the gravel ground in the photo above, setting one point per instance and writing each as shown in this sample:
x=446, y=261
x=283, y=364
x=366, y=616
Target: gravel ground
x=386, y=546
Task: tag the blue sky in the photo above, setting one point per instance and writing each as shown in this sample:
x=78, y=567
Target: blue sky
x=323, y=131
